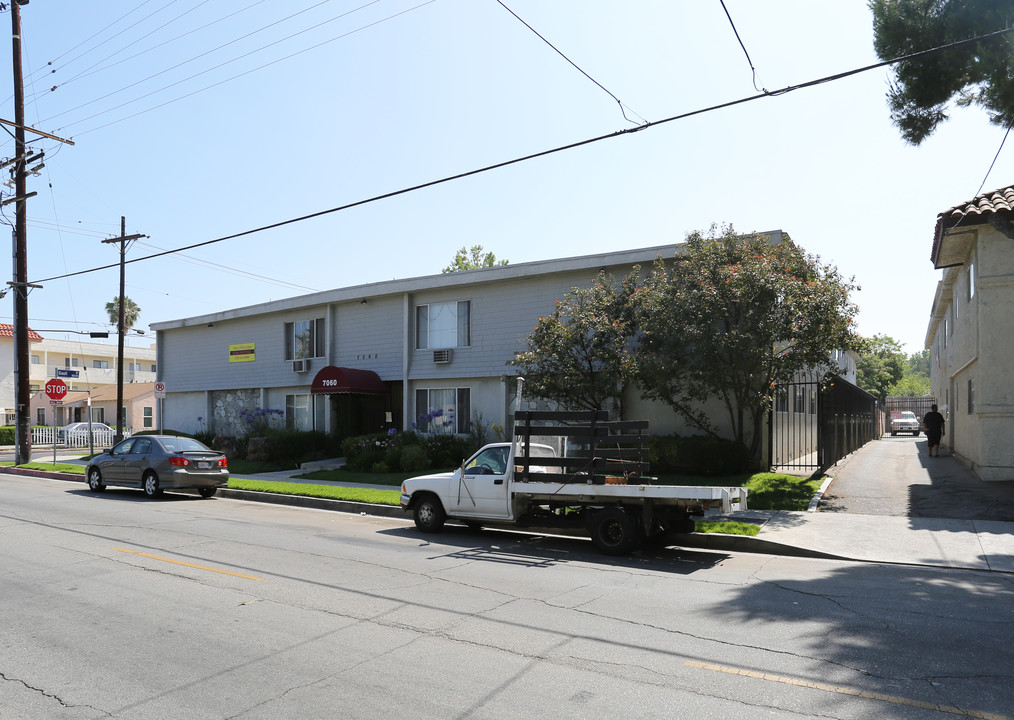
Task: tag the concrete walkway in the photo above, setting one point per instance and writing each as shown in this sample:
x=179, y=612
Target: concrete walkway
x=890, y=502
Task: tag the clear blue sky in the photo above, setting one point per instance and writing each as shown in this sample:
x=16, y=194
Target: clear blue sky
x=194, y=124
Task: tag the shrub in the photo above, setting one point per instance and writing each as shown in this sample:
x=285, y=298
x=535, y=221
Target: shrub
x=362, y=451
x=7, y=435
x=705, y=455
x=292, y=446
x=663, y=453
x=413, y=459
x=380, y=467
x=447, y=450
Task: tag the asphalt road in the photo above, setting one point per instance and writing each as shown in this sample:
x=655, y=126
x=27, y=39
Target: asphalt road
x=115, y=606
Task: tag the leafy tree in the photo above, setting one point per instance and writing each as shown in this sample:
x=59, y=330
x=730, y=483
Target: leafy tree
x=732, y=316
x=472, y=259
x=976, y=74
x=130, y=312
x=881, y=367
x=915, y=380
x=579, y=357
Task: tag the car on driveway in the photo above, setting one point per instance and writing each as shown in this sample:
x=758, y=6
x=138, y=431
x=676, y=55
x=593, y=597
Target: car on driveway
x=907, y=422
x=155, y=463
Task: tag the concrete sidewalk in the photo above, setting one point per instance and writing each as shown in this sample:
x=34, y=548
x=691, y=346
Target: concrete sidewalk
x=890, y=502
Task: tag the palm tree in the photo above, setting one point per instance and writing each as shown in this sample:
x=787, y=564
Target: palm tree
x=130, y=312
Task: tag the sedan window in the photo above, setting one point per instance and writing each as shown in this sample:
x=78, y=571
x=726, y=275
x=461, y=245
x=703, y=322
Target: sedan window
x=142, y=446
x=124, y=447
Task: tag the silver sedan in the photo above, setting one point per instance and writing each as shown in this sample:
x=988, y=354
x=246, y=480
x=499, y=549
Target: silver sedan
x=155, y=463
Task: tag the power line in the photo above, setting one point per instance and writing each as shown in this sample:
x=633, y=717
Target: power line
x=736, y=33
x=623, y=108
x=229, y=62
x=553, y=151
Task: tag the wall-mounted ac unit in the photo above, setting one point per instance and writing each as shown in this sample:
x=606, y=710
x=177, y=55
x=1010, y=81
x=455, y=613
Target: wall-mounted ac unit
x=442, y=357
x=300, y=366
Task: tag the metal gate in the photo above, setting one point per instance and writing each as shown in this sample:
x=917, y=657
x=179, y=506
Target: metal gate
x=814, y=424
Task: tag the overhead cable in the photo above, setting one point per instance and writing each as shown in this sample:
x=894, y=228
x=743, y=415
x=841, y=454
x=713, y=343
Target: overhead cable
x=552, y=151
x=623, y=108
x=736, y=33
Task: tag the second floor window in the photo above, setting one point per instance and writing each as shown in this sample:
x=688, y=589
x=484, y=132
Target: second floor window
x=100, y=364
x=443, y=325
x=305, y=339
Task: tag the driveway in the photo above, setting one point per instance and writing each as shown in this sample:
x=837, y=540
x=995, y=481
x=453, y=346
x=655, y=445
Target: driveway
x=896, y=476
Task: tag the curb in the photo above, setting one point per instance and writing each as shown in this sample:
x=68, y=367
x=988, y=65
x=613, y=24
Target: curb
x=346, y=506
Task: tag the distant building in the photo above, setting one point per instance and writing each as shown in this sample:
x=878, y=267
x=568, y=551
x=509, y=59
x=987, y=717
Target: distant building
x=139, y=405
x=85, y=367
x=969, y=336
x=7, y=379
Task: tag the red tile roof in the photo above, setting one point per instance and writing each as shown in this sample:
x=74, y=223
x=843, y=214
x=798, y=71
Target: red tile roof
x=974, y=212
x=7, y=330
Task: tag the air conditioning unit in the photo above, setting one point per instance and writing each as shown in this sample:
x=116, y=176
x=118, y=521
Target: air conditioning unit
x=442, y=357
x=300, y=366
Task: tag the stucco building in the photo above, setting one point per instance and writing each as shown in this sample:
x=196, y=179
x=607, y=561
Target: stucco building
x=380, y=356
x=969, y=336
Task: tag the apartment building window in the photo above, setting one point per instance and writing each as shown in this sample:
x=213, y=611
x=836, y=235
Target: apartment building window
x=305, y=412
x=443, y=410
x=443, y=325
x=781, y=399
x=153, y=367
x=100, y=364
x=799, y=401
x=99, y=414
x=305, y=339
x=148, y=417
x=70, y=362
x=971, y=395
x=813, y=402
x=36, y=360
x=971, y=280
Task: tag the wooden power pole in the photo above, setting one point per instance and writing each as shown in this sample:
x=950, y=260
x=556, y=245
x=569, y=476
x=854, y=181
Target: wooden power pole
x=121, y=331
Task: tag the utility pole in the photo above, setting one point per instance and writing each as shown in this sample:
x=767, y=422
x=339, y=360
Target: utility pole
x=123, y=240
x=23, y=388
x=20, y=284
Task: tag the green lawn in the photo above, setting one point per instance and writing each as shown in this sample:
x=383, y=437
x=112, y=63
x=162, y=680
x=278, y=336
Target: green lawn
x=376, y=497
x=394, y=479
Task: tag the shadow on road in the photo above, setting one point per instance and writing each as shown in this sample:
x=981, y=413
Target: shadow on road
x=913, y=635
x=537, y=550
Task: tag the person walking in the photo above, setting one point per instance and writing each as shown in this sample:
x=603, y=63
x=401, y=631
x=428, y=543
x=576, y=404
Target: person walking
x=933, y=424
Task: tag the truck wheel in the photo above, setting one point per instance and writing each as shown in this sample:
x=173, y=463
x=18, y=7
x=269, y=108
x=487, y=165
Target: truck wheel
x=613, y=531
x=429, y=514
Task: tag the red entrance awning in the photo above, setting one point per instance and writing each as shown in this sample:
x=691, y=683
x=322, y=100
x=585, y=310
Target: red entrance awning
x=331, y=380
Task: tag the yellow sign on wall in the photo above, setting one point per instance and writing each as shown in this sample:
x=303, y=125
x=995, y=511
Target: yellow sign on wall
x=241, y=352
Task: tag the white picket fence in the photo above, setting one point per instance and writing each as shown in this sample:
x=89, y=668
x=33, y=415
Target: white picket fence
x=42, y=436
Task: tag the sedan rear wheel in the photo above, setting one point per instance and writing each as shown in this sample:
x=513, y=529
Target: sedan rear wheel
x=207, y=492
x=95, y=483
x=150, y=485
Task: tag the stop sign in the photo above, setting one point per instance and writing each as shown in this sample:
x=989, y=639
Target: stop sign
x=56, y=389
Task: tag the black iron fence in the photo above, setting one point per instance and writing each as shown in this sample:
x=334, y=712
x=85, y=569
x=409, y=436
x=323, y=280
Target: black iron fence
x=815, y=423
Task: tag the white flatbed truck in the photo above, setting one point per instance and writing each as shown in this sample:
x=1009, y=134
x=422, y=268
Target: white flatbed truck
x=571, y=471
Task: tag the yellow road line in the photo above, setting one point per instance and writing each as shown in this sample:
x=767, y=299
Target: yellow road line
x=848, y=691
x=179, y=562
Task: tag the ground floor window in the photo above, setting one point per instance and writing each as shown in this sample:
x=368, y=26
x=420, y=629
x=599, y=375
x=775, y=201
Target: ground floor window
x=40, y=416
x=305, y=412
x=149, y=417
x=443, y=410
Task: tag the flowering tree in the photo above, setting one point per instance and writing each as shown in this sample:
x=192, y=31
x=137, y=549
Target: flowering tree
x=732, y=316
x=580, y=356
